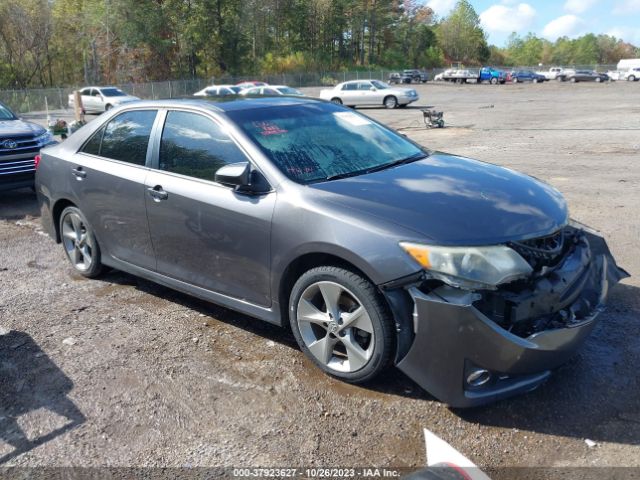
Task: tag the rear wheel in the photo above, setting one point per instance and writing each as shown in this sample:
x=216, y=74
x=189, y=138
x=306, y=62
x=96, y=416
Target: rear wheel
x=494, y=81
x=341, y=323
x=336, y=100
x=391, y=102
x=535, y=80
x=598, y=80
x=631, y=78
x=80, y=243
x=573, y=80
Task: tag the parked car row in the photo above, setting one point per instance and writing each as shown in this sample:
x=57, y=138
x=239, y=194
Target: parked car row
x=247, y=88
x=496, y=76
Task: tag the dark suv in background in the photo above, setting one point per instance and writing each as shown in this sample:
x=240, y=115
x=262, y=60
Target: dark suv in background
x=20, y=142
x=414, y=76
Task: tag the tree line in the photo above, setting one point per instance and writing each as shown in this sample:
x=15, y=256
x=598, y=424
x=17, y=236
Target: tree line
x=69, y=42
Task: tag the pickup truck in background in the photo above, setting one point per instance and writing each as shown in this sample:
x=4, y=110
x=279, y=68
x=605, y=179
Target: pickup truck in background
x=492, y=75
x=555, y=73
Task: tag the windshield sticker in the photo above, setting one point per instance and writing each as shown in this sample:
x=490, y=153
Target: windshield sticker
x=268, y=128
x=352, y=118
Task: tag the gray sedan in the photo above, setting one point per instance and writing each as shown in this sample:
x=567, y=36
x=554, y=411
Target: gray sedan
x=468, y=277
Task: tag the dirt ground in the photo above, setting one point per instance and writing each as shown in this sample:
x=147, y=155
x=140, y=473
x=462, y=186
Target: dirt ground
x=121, y=372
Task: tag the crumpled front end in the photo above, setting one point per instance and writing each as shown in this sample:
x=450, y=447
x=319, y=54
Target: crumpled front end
x=475, y=347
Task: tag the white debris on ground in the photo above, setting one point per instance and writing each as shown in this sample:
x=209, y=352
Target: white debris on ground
x=590, y=443
x=69, y=341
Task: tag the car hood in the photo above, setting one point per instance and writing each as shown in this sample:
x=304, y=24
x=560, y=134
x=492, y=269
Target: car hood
x=451, y=200
x=19, y=128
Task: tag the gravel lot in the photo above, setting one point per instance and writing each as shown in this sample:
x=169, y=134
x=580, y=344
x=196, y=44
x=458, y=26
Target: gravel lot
x=122, y=372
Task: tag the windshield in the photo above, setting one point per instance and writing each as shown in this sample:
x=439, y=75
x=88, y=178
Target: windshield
x=315, y=142
x=112, y=92
x=6, y=114
x=379, y=85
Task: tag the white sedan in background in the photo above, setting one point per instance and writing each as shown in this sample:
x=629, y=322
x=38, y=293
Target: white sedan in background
x=272, y=90
x=218, y=91
x=369, y=92
x=101, y=99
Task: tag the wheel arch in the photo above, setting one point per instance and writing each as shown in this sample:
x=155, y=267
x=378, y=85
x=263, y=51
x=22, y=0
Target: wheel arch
x=304, y=262
x=56, y=212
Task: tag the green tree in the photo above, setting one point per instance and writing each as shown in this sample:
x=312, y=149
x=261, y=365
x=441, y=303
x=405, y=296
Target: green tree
x=461, y=37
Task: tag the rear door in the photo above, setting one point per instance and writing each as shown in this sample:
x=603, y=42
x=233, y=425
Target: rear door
x=109, y=172
x=204, y=233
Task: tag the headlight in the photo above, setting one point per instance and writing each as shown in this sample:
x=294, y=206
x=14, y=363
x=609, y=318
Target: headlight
x=470, y=267
x=44, y=139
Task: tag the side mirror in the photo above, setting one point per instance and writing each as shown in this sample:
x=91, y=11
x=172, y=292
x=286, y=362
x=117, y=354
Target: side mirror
x=236, y=175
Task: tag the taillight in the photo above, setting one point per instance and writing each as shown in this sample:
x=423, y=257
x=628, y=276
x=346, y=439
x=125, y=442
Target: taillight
x=36, y=160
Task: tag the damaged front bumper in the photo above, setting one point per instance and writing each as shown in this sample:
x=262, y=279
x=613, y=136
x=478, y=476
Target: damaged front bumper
x=473, y=347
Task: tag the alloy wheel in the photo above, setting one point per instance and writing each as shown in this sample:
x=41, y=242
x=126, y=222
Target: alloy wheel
x=77, y=242
x=335, y=327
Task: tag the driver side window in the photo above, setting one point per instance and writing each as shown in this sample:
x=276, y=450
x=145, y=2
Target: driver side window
x=195, y=146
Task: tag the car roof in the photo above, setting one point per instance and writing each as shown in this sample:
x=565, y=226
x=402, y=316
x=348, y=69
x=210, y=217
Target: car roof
x=228, y=105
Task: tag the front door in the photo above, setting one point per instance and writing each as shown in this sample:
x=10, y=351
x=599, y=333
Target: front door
x=204, y=233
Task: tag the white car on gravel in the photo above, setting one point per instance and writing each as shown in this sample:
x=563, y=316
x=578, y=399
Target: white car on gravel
x=218, y=91
x=369, y=92
x=101, y=99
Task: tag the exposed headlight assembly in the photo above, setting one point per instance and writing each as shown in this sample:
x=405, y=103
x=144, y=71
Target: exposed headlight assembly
x=470, y=267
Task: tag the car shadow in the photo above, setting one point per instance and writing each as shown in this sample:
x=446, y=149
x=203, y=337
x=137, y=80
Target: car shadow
x=231, y=317
x=30, y=381
x=18, y=204
x=595, y=395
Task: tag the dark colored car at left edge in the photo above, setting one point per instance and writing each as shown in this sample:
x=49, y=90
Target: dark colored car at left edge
x=468, y=277
x=20, y=142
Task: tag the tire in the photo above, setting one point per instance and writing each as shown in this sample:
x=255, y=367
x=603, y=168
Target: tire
x=515, y=80
x=79, y=243
x=535, y=80
x=573, y=80
x=390, y=102
x=560, y=79
x=108, y=107
x=494, y=81
x=598, y=80
x=631, y=78
x=336, y=100
x=354, y=354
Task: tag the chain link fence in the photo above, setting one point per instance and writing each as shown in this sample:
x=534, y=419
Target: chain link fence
x=36, y=100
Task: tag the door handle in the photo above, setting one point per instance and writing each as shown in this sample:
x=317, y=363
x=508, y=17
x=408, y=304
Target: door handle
x=157, y=193
x=79, y=173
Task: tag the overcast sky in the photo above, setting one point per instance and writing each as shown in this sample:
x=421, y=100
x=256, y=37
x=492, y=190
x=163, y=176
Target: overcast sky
x=553, y=18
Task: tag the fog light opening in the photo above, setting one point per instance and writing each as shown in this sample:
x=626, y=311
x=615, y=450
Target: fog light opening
x=478, y=377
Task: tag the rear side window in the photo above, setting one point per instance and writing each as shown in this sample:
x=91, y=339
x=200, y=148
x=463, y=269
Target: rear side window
x=350, y=86
x=195, y=146
x=124, y=138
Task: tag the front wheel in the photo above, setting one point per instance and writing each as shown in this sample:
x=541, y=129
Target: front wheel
x=336, y=100
x=631, y=78
x=341, y=323
x=80, y=243
x=598, y=80
x=494, y=81
x=391, y=102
